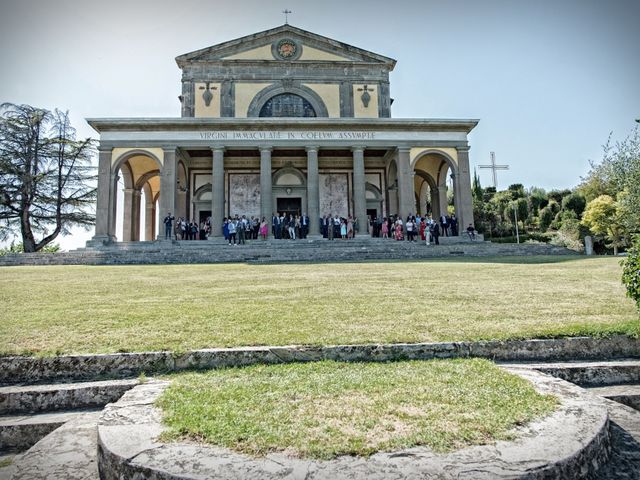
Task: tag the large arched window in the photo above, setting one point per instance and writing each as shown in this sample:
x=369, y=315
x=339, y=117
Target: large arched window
x=287, y=105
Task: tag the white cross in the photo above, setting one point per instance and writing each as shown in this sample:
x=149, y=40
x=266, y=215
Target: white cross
x=494, y=169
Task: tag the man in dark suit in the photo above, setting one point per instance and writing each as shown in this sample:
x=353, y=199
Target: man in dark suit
x=304, y=226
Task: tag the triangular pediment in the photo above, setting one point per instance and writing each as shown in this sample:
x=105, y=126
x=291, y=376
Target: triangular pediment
x=285, y=43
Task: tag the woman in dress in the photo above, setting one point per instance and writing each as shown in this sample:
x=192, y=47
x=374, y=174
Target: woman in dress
x=263, y=229
x=350, y=228
x=385, y=228
x=399, y=232
x=343, y=229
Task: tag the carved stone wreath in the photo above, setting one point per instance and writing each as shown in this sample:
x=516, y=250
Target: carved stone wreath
x=286, y=49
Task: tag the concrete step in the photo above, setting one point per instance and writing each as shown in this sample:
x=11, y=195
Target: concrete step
x=624, y=429
x=20, y=432
x=628, y=395
x=68, y=453
x=18, y=399
x=594, y=374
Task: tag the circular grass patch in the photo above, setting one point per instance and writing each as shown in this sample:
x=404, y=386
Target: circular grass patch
x=325, y=409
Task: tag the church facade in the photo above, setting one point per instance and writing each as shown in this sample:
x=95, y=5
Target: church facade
x=282, y=120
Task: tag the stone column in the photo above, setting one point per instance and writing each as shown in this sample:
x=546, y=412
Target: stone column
x=405, y=184
x=359, y=190
x=127, y=223
x=167, y=186
x=104, y=207
x=149, y=214
x=266, y=193
x=135, y=216
x=463, y=194
x=113, y=203
x=313, y=191
x=217, y=192
x=442, y=199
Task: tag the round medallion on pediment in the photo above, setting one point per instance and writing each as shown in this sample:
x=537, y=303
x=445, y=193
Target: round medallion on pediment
x=287, y=49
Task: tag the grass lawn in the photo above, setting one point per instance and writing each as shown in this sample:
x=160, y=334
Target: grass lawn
x=83, y=309
x=325, y=409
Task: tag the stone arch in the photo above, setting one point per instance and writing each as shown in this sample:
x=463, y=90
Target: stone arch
x=426, y=193
x=435, y=164
x=140, y=172
x=269, y=92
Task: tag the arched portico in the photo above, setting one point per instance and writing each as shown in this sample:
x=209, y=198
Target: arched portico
x=140, y=171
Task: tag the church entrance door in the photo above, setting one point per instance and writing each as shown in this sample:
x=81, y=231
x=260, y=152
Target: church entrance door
x=204, y=214
x=290, y=205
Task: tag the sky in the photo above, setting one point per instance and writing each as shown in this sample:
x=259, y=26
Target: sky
x=549, y=80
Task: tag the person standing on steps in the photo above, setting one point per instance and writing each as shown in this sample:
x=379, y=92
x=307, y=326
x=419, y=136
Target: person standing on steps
x=168, y=220
x=435, y=233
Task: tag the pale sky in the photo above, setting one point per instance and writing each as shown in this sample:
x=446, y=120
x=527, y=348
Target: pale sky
x=548, y=79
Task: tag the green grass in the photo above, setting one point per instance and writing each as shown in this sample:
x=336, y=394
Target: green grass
x=84, y=309
x=326, y=409
x=5, y=462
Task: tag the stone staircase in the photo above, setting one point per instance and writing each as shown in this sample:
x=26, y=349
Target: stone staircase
x=49, y=431
x=361, y=248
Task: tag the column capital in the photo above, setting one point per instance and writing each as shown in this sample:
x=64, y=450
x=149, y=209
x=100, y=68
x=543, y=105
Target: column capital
x=169, y=148
x=404, y=149
x=358, y=148
x=265, y=148
x=465, y=148
x=218, y=148
x=104, y=149
x=312, y=148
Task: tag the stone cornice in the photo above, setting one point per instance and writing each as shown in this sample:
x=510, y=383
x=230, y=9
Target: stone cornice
x=142, y=124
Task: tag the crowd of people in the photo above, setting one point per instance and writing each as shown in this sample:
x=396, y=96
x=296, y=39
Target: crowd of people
x=238, y=229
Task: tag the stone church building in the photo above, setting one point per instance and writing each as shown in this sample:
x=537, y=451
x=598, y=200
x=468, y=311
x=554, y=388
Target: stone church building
x=281, y=120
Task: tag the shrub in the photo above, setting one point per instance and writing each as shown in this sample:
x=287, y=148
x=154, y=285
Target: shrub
x=631, y=272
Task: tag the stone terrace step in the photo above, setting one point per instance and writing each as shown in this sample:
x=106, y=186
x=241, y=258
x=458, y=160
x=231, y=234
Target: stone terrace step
x=626, y=394
x=624, y=428
x=68, y=453
x=276, y=252
x=40, y=398
x=19, y=433
x=594, y=374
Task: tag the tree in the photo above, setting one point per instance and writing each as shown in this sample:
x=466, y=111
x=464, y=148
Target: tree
x=546, y=217
x=575, y=201
x=602, y=218
x=47, y=183
x=618, y=176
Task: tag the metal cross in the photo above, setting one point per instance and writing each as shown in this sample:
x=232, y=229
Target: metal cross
x=365, y=89
x=286, y=12
x=494, y=169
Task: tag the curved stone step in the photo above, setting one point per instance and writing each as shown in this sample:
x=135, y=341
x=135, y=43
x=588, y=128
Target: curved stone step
x=22, y=432
x=572, y=443
x=628, y=395
x=594, y=374
x=624, y=463
x=64, y=396
x=68, y=453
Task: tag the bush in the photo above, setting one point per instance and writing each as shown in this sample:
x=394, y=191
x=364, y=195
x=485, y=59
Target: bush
x=631, y=272
x=18, y=248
